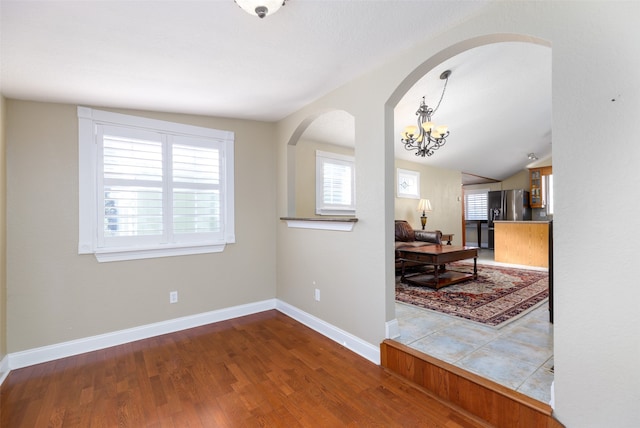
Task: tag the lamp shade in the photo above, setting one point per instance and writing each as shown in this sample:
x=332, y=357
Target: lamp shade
x=424, y=205
x=411, y=130
x=257, y=7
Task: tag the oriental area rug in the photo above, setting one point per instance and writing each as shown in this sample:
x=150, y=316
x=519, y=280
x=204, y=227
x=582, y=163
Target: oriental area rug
x=498, y=296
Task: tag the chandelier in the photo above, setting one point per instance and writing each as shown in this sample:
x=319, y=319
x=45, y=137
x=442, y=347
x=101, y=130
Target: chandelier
x=426, y=137
x=260, y=7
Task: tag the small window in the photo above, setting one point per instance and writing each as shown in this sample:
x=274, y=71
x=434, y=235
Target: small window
x=151, y=188
x=476, y=204
x=335, y=184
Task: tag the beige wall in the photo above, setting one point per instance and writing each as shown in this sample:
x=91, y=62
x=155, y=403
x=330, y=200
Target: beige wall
x=597, y=335
x=58, y=295
x=350, y=268
x=3, y=237
x=443, y=188
x=517, y=181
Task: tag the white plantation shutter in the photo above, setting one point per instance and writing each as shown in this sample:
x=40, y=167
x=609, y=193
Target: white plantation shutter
x=196, y=190
x=132, y=191
x=476, y=204
x=155, y=189
x=158, y=188
x=335, y=184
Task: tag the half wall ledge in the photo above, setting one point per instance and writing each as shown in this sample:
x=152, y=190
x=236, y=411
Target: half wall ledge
x=342, y=224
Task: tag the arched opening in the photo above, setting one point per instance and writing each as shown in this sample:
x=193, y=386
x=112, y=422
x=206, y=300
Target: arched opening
x=331, y=133
x=487, y=130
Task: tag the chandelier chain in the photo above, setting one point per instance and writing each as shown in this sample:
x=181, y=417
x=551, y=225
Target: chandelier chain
x=441, y=95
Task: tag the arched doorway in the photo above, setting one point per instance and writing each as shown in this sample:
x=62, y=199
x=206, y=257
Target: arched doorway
x=491, y=72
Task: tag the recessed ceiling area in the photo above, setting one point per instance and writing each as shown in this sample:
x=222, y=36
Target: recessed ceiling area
x=335, y=127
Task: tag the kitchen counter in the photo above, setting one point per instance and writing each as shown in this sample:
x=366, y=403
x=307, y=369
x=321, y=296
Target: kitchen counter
x=522, y=243
x=523, y=221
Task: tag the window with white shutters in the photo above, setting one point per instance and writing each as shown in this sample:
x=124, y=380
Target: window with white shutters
x=335, y=184
x=160, y=188
x=475, y=204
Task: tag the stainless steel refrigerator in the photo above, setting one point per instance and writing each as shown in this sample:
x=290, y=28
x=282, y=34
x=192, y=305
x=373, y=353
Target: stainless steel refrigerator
x=509, y=205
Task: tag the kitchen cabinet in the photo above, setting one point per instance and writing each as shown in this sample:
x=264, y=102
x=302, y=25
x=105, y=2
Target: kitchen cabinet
x=537, y=186
x=522, y=243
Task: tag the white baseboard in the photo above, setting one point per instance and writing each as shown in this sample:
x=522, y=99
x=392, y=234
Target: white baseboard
x=392, y=329
x=4, y=368
x=74, y=347
x=44, y=354
x=349, y=341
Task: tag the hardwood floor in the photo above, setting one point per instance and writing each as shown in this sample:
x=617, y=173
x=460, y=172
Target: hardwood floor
x=261, y=370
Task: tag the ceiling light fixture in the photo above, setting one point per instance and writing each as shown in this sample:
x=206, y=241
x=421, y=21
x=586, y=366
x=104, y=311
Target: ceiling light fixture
x=426, y=137
x=260, y=8
x=532, y=156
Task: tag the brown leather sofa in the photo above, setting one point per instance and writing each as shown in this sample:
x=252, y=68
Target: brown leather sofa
x=406, y=236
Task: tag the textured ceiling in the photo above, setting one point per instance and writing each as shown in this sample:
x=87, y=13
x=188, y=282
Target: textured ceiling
x=205, y=57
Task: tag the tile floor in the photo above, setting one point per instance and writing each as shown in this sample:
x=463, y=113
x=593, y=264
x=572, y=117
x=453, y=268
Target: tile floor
x=518, y=355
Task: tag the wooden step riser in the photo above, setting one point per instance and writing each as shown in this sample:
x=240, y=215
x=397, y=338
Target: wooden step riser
x=494, y=403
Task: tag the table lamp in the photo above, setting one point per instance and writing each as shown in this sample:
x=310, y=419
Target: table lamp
x=425, y=206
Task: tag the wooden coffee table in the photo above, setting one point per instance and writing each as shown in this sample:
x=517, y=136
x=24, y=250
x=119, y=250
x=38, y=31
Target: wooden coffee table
x=437, y=256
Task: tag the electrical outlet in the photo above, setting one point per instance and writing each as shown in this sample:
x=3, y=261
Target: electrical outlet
x=173, y=297
x=317, y=295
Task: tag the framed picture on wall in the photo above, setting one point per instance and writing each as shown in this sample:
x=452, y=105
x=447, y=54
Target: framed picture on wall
x=408, y=184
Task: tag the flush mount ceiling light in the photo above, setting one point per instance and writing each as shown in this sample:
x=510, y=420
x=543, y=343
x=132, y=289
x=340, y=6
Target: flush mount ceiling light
x=260, y=8
x=426, y=137
x=532, y=156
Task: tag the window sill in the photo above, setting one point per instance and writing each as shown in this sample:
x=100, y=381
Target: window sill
x=328, y=213
x=334, y=223
x=151, y=253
